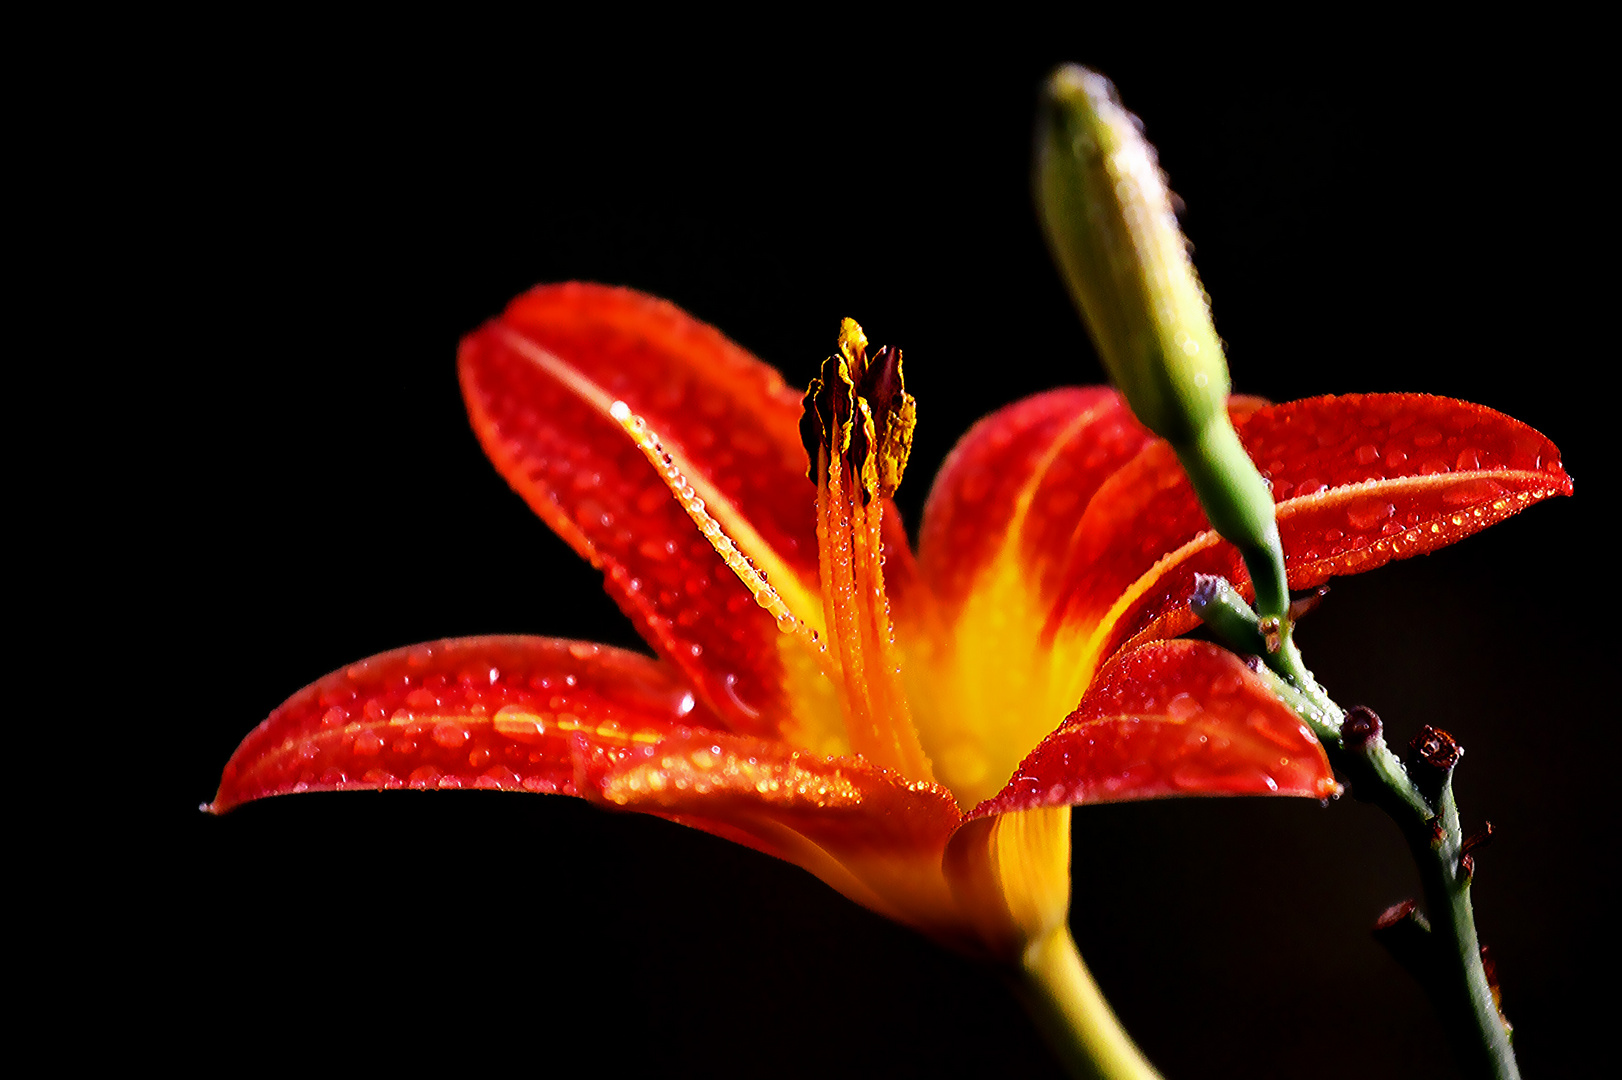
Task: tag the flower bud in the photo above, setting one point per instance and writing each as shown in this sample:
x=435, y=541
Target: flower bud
x=1432, y=755
x=1110, y=225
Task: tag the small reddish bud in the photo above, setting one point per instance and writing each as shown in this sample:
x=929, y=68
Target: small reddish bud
x=1307, y=603
x=1395, y=914
x=1431, y=758
x=1272, y=632
x=1478, y=839
x=1467, y=861
x=1360, y=728
x=1405, y=933
x=1490, y=969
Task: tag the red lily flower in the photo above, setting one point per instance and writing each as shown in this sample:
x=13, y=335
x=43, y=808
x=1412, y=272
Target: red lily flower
x=889, y=723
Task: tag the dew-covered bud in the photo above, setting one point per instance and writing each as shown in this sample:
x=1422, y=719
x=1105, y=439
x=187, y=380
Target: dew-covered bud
x=1110, y=225
x=1112, y=230
x=1360, y=728
x=1431, y=758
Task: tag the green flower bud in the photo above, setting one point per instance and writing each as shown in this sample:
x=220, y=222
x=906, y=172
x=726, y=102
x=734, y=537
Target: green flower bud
x=1110, y=225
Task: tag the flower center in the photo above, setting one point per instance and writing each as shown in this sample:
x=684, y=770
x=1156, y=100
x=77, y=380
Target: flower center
x=857, y=429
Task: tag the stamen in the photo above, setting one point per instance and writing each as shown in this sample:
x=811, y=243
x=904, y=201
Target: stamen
x=857, y=449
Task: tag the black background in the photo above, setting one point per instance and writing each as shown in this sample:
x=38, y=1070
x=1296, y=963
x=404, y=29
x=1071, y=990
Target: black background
x=318, y=213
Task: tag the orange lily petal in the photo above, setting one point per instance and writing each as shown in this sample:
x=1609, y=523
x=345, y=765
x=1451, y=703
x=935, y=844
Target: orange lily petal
x=1170, y=718
x=508, y=713
x=1021, y=478
x=1360, y=480
x=870, y=833
x=539, y=382
x=996, y=529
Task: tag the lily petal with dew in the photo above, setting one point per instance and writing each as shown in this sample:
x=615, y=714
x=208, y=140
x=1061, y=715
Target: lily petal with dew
x=912, y=730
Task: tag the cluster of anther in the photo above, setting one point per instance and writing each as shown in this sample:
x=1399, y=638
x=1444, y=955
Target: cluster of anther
x=858, y=412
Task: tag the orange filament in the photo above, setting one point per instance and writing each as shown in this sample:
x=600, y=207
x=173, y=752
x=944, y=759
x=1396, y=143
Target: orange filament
x=850, y=552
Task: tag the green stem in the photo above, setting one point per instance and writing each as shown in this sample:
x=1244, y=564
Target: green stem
x=1240, y=507
x=1462, y=989
x=1451, y=963
x=1067, y=1006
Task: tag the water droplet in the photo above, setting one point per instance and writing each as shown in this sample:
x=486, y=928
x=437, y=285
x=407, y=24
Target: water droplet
x=1182, y=707
x=1368, y=512
x=451, y=734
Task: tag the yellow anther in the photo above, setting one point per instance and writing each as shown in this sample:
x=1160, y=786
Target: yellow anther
x=853, y=346
x=859, y=413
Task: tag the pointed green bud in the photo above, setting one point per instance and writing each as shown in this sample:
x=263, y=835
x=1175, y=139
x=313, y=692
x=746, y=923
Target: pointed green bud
x=1110, y=225
x=1111, y=228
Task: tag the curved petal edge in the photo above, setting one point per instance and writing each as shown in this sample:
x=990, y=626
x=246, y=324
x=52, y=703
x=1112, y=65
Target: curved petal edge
x=1166, y=719
x=503, y=713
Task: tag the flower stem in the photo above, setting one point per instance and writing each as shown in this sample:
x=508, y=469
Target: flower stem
x=1067, y=1006
x=1445, y=955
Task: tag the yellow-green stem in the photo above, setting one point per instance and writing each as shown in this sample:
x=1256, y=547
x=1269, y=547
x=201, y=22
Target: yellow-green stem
x=1079, y=1024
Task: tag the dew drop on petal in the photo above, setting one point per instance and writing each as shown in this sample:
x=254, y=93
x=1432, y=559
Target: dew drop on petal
x=1368, y=512
x=1182, y=707
x=451, y=734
